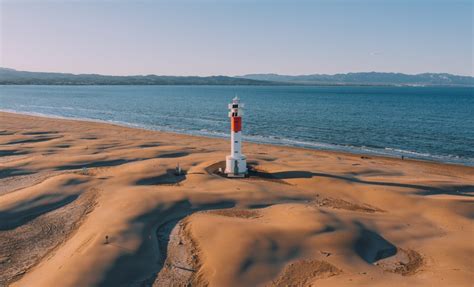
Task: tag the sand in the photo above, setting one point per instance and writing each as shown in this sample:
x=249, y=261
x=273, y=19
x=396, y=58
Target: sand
x=94, y=204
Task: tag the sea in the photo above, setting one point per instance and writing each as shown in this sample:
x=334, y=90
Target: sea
x=428, y=123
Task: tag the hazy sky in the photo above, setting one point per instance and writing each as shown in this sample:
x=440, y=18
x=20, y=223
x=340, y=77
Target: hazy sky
x=237, y=37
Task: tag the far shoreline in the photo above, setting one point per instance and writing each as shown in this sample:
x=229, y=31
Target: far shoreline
x=319, y=150
x=278, y=84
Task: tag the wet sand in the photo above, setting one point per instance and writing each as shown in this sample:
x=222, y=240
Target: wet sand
x=93, y=204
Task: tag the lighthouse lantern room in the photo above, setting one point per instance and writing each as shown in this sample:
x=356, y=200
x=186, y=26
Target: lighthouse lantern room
x=236, y=162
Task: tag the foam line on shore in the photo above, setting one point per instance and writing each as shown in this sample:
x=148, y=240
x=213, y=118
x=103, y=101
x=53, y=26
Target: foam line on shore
x=362, y=150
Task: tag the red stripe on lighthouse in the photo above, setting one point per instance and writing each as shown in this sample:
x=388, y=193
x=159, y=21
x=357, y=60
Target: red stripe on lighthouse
x=236, y=124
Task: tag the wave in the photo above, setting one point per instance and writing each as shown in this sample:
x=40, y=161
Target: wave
x=382, y=151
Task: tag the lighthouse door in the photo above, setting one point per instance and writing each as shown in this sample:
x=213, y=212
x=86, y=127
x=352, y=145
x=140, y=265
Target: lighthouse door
x=236, y=167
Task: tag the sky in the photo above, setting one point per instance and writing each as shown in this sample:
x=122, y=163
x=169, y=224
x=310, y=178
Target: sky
x=231, y=37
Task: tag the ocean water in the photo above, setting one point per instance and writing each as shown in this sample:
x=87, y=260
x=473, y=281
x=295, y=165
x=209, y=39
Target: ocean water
x=431, y=123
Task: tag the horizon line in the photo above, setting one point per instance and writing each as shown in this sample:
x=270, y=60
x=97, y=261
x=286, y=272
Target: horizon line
x=233, y=76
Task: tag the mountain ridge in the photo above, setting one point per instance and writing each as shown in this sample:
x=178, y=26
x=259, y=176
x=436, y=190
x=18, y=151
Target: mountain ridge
x=369, y=78
x=10, y=76
x=13, y=77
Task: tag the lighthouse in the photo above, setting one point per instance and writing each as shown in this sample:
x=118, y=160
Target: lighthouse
x=236, y=164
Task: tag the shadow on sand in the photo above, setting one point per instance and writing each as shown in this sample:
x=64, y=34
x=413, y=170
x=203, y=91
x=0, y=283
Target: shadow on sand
x=11, y=171
x=170, y=177
x=29, y=210
x=161, y=221
x=125, y=270
x=115, y=162
x=34, y=140
x=280, y=177
x=254, y=173
x=464, y=190
x=173, y=155
x=39, y=133
x=11, y=152
x=103, y=163
x=372, y=247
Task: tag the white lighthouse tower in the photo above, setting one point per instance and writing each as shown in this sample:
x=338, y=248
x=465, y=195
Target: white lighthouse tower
x=236, y=164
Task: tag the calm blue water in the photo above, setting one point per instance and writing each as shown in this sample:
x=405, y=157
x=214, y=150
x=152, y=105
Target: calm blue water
x=418, y=122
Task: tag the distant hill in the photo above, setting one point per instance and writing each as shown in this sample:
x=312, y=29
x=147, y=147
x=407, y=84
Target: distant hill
x=14, y=77
x=371, y=78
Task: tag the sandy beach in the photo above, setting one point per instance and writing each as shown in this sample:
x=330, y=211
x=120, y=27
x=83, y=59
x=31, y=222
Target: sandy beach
x=93, y=204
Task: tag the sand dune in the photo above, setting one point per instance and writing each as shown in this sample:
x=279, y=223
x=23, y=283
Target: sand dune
x=92, y=204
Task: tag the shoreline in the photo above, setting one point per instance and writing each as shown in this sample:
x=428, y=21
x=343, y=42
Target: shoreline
x=279, y=84
x=89, y=204
x=350, y=150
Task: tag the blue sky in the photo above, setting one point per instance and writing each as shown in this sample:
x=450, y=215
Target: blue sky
x=237, y=37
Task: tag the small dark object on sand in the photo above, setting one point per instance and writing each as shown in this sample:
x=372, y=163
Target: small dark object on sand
x=106, y=239
x=178, y=170
x=327, y=254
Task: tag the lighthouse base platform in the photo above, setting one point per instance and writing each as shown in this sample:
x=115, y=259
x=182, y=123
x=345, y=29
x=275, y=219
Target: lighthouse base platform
x=236, y=166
